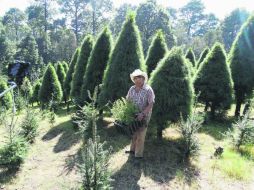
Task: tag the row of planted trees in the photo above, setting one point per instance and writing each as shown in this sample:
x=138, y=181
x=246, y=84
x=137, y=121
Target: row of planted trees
x=216, y=78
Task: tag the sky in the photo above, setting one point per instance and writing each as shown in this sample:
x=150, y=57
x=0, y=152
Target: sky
x=220, y=8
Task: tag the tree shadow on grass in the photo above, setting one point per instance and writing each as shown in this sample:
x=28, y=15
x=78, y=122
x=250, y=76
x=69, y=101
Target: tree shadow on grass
x=217, y=128
x=7, y=175
x=69, y=136
x=162, y=161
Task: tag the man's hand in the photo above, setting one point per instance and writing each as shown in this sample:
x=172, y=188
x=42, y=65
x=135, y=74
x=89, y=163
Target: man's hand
x=140, y=116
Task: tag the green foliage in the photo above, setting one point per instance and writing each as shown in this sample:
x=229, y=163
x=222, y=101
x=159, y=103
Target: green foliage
x=202, y=57
x=124, y=111
x=26, y=89
x=232, y=24
x=27, y=50
x=80, y=68
x=95, y=159
x=20, y=102
x=242, y=132
x=97, y=63
x=156, y=51
x=52, y=118
x=36, y=90
x=213, y=80
x=94, y=169
x=13, y=153
x=173, y=88
x=125, y=58
x=191, y=57
x=188, y=130
x=60, y=74
x=6, y=100
x=51, y=87
x=66, y=66
x=69, y=74
x=241, y=63
x=29, y=126
x=150, y=18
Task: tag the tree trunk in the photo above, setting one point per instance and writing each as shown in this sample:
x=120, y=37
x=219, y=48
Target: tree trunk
x=76, y=23
x=159, y=132
x=93, y=22
x=212, y=111
x=238, y=107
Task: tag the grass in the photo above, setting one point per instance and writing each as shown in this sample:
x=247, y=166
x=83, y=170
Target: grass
x=52, y=159
x=234, y=165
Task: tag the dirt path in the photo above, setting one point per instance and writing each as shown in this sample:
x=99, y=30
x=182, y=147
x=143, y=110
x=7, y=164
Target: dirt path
x=46, y=165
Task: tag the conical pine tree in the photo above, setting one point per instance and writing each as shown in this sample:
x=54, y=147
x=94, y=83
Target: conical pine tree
x=80, y=68
x=156, y=52
x=66, y=67
x=69, y=74
x=51, y=87
x=213, y=80
x=60, y=74
x=173, y=90
x=202, y=57
x=97, y=63
x=242, y=63
x=6, y=100
x=125, y=58
x=191, y=56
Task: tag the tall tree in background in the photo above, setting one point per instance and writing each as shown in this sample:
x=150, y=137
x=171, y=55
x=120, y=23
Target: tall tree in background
x=69, y=74
x=241, y=63
x=51, y=87
x=119, y=17
x=156, y=51
x=14, y=19
x=150, y=18
x=125, y=58
x=191, y=57
x=74, y=9
x=231, y=25
x=214, y=81
x=97, y=63
x=35, y=19
x=5, y=51
x=80, y=68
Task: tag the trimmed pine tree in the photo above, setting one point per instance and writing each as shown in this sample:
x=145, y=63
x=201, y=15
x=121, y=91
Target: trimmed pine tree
x=80, y=69
x=36, y=90
x=213, y=80
x=51, y=87
x=26, y=89
x=61, y=77
x=202, y=57
x=242, y=64
x=66, y=66
x=6, y=100
x=97, y=63
x=191, y=56
x=125, y=58
x=69, y=74
x=173, y=89
x=156, y=51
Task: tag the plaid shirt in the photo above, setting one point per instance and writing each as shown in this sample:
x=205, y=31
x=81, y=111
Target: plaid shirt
x=142, y=98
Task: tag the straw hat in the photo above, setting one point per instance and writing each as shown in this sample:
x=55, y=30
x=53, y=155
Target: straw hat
x=138, y=72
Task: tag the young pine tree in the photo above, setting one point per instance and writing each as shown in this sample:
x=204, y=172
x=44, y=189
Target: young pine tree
x=156, y=52
x=173, y=88
x=241, y=63
x=66, y=66
x=191, y=56
x=202, y=57
x=61, y=77
x=51, y=87
x=97, y=63
x=213, y=80
x=6, y=100
x=69, y=74
x=80, y=68
x=125, y=58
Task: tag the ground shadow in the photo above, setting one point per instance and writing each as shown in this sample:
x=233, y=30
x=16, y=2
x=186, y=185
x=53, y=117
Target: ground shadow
x=7, y=175
x=217, y=128
x=68, y=138
x=162, y=161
